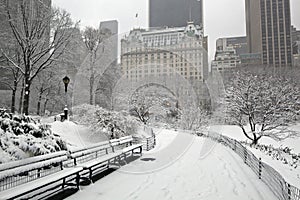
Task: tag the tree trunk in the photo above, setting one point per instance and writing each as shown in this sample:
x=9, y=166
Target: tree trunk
x=45, y=105
x=26, y=95
x=255, y=139
x=38, y=109
x=13, y=101
x=21, y=99
x=92, y=80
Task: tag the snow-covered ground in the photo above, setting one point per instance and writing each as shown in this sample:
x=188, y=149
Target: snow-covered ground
x=177, y=170
x=76, y=135
x=290, y=174
x=236, y=133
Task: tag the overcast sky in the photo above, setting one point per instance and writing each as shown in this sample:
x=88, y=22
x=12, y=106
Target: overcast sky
x=222, y=18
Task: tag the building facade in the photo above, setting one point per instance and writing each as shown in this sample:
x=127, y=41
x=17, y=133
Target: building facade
x=296, y=46
x=112, y=27
x=164, y=51
x=229, y=53
x=175, y=13
x=268, y=25
x=167, y=54
x=225, y=59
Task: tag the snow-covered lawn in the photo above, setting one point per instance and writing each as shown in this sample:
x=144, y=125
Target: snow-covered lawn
x=290, y=174
x=76, y=135
x=177, y=171
x=235, y=132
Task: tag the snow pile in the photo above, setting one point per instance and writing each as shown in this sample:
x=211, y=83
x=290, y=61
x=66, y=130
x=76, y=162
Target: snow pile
x=22, y=137
x=111, y=123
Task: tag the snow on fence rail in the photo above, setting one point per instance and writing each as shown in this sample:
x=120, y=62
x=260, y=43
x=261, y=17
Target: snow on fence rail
x=277, y=184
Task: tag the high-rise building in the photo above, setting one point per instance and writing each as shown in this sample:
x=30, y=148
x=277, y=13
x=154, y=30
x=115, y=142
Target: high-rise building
x=296, y=46
x=268, y=24
x=111, y=27
x=175, y=13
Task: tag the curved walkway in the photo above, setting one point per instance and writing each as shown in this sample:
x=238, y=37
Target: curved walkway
x=177, y=171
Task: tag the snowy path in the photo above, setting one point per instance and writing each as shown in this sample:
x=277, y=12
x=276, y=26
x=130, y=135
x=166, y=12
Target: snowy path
x=178, y=172
x=76, y=135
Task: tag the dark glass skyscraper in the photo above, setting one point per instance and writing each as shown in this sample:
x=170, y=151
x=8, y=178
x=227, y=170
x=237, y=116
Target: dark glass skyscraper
x=269, y=30
x=175, y=13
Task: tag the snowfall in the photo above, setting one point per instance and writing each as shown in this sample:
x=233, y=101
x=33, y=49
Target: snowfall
x=181, y=166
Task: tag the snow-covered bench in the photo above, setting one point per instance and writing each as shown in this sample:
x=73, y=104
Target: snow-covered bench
x=34, y=176
x=125, y=147
x=91, y=158
x=103, y=155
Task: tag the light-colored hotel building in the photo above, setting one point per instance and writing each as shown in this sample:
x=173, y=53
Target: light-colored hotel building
x=164, y=52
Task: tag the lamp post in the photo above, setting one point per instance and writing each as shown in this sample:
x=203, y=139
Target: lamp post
x=66, y=81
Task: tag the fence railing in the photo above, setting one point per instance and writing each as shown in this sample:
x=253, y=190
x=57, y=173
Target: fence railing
x=148, y=143
x=276, y=183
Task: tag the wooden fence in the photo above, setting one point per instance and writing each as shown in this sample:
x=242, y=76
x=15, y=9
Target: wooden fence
x=276, y=183
x=149, y=142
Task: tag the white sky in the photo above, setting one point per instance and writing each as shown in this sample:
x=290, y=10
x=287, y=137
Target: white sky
x=222, y=18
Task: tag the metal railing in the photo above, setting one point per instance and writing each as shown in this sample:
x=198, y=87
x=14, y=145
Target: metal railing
x=276, y=183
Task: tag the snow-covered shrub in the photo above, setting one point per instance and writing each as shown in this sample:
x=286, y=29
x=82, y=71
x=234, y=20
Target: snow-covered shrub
x=22, y=137
x=282, y=154
x=111, y=123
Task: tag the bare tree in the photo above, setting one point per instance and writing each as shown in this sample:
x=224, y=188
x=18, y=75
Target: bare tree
x=14, y=76
x=266, y=101
x=41, y=33
x=95, y=45
x=194, y=119
x=107, y=82
x=46, y=82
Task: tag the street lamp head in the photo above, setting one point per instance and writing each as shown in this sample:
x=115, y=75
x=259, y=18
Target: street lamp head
x=66, y=81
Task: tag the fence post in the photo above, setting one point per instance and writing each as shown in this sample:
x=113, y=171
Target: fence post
x=245, y=155
x=289, y=190
x=259, y=168
x=234, y=145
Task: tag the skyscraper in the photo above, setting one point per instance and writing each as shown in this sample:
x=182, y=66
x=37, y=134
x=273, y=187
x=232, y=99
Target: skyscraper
x=268, y=24
x=111, y=42
x=175, y=13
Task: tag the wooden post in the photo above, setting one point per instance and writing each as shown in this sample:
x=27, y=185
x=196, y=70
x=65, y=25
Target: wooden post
x=259, y=168
x=78, y=180
x=289, y=190
x=63, y=183
x=39, y=173
x=245, y=155
x=234, y=145
x=113, y=149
